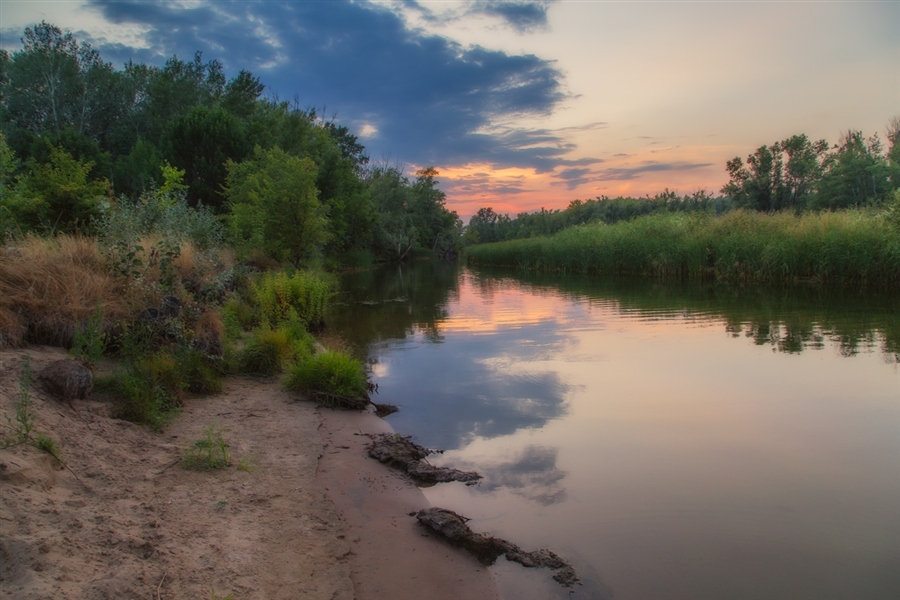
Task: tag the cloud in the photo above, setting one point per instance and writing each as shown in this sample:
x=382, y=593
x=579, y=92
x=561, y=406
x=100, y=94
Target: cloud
x=429, y=97
x=532, y=474
x=626, y=173
x=521, y=16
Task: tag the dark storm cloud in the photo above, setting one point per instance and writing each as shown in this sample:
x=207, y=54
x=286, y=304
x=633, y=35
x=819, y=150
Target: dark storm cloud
x=429, y=98
x=625, y=173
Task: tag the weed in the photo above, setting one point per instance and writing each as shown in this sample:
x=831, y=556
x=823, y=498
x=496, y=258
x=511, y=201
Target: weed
x=89, y=339
x=221, y=504
x=21, y=425
x=269, y=351
x=247, y=463
x=209, y=452
x=303, y=296
x=48, y=445
x=214, y=596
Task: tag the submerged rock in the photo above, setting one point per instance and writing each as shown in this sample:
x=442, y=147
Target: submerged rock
x=452, y=527
x=401, y=452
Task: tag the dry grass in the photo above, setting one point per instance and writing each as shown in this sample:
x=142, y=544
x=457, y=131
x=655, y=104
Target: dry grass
x=47, y=285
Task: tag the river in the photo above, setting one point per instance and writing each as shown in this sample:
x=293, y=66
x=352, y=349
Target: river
x=671, y=440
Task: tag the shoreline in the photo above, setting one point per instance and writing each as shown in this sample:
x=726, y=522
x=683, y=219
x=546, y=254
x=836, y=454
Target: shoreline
x=392, y=555
x=302, y=510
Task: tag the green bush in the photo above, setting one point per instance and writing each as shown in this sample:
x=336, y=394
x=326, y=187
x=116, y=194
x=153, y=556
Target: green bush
x=269, y=351
x=331, y=378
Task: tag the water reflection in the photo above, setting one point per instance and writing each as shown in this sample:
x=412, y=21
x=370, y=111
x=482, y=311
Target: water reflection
x=684, y=440
x=789, y=320
x=532, y=473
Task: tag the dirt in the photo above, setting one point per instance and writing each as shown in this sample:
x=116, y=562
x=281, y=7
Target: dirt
x=301, y=513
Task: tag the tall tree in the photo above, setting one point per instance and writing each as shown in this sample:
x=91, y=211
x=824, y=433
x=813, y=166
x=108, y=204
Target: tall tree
x=274, y=205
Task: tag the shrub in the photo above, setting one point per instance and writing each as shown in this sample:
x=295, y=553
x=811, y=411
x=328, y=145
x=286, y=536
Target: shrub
x=330, y=378
x=269, y=351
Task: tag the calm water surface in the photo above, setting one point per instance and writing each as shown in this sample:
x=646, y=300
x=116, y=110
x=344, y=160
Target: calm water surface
x=671, y=441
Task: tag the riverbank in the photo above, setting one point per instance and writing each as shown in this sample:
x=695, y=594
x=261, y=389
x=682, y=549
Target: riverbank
x=300, y=513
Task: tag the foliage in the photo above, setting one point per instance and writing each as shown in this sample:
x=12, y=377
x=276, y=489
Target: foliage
x=330, y=378
x=269, y=351
x=797, y=174
x=274, y=205
x=89, y=340
x=282, y=298
x=209, y=452
x=57, y=195
x=851, y=247
x=21, y=425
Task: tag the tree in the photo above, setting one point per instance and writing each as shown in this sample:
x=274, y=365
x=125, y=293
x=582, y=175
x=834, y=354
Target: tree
x=274, y=205
x=200, y=142
x=56, y=83
x=59, y=194
x=856, y=173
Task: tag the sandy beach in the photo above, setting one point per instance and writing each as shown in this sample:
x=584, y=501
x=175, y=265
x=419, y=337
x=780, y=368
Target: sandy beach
x=302, y=512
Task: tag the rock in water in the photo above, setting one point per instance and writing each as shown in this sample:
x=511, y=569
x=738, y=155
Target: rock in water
x=66, y=380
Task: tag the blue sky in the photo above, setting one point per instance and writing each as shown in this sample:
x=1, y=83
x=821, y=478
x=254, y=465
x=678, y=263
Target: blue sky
x=522, y=104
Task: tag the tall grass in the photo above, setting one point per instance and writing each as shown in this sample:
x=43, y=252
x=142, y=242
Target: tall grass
x=847, y=247
x=283, y=298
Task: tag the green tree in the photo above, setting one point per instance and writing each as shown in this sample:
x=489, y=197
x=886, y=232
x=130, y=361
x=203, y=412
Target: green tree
x=201, y=142
x=856, y=173
x=274, y=205
x=56, y=83
x=59, y=194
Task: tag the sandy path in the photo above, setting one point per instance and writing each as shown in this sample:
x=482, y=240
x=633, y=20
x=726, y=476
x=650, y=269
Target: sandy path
x=138, y=525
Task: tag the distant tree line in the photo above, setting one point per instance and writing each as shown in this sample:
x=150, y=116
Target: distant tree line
x=80, y=137
x=795, y=174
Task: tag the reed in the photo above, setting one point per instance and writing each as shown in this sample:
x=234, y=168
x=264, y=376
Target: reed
x=853, y=247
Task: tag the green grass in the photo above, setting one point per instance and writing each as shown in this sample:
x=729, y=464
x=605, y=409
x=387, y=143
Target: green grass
x=852, y=247
x=331, y=378
x=207, y=453
x=280, y=298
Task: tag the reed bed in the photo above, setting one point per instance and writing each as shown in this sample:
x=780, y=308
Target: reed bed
x=853, y=247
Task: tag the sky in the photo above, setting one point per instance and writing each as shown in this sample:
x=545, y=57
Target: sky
x=530, y=104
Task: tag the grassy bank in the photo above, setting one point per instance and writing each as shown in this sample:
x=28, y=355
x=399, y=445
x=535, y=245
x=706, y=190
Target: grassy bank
x=846, y=247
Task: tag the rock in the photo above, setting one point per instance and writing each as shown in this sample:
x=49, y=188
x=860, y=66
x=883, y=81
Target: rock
x=452, y=527
x=66, y=380
x=401, y=452
x=170, y=306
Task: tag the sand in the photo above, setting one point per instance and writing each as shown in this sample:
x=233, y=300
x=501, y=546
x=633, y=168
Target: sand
x=301, y=513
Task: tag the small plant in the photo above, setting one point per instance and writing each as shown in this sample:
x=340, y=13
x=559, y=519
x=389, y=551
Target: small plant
x=209, y=452
x=21, y=425
x=331, y=378
x=89, y=339
x=214, y=596
x=247, y=463
x=46, y=444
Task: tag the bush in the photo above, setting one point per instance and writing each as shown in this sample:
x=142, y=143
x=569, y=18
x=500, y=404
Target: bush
x=331, y=378
x=269, y=351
